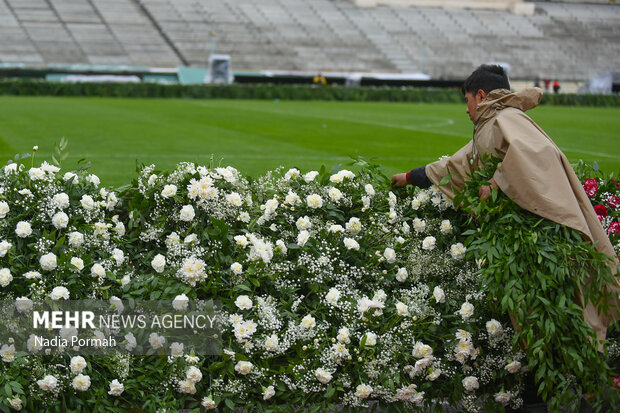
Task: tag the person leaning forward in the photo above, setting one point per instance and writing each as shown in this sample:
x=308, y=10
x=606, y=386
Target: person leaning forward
x=533, y=172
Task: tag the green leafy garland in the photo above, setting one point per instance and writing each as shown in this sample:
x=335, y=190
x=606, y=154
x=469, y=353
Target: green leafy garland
x=533, y=269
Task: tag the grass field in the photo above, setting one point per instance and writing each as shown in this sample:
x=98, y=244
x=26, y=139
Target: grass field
x=255, y=136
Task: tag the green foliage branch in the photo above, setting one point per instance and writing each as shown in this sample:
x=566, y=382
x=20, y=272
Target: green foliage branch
x=534, y=270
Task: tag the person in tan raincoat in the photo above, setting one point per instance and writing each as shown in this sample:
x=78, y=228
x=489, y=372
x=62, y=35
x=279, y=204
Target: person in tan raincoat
x=534, y=172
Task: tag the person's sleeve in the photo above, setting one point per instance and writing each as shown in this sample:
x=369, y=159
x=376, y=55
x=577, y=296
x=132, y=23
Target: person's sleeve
x=417, y=177
x=457, y=165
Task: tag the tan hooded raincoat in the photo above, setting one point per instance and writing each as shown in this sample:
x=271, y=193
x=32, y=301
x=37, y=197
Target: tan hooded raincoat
x=534, y=173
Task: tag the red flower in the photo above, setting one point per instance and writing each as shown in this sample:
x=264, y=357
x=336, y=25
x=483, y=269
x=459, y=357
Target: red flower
x=614, y=228
x=600, y=210
x=614, y=201
x=590, y=186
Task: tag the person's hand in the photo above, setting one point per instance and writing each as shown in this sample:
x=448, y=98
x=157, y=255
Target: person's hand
x=485, y=190
x=399, y=180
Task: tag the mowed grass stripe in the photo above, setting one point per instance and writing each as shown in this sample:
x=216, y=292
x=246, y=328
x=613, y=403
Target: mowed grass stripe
x=256, y=136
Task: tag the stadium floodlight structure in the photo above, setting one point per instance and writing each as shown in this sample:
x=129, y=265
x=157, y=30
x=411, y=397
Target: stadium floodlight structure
x=219, y=69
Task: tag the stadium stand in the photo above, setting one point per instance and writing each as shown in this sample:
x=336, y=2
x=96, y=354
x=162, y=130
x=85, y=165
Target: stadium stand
x=560, y=40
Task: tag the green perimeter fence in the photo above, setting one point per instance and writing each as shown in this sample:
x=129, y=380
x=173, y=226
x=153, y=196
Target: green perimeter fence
x=271, y=91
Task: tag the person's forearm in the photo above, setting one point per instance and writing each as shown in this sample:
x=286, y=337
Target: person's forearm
x=418, y=177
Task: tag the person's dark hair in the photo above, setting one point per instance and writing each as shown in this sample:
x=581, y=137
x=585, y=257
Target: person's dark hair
x=487, y=78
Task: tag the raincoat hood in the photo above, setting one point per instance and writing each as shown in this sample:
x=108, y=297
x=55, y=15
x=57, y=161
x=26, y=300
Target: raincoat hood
x=500, y=99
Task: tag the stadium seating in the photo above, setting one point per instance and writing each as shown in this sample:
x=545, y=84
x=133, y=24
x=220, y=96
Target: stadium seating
x=562, y=40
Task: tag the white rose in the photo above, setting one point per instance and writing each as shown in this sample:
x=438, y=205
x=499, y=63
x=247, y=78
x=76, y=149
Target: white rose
x=87, y=202
x=363, y=391
x=513, y=367
x=118, y=255
x=309, y=177
x=116, y=388
x=335, y=194
x=180, y=302
x=467, y=310
x=5, y=246
x=191, y=238
x=208, y=403
x=23, y=229
x=59, y=292
x=351, y=244
x=428, y=243
x=502, y=398
x=419, y=225
x=120, y=229
x=308, y=322
x=61, y=200
x=434, y=375
x=156, y=341
x=36, y=174
x=31, y=275
x=70, y=175
x=243, y=302
x=314, y=201
x=187, y=213
x=5, y=277
x=457, y=251
x=60, y=220
x=268, y=393
x=343, y=335
x=421, y=350
x=390, y=255
x=371, y=339
x=234, y=199
x=292, y=198
x=406, y=228
x=335, y=229
x=193, y=374
x=440, y=296
x=78, y=364
x=15, y=402
x=176, y=349
x=241, y=240
x=291, y=174
x=332, y=296
x=76, y=239
x=470, y=383
x=130, y=341
x=23, y=304
x=152, y=179
x=158, y=263
x=402, y=309
x=187, y=387
x=354, y=225
x=48, y=261
x=369, y=190
x=494, y=328
x=97, y=270
x=243, y=367
x=323, y=375
x=48, y=383
x=445, y=227
x=303, y=223
x=169, y=191
x=272, y=343
x=236, y=268
x=10, y=168
x=7, y=353
x=303, y=237
x=4, y=209
x=93, y=179
x=402, y=274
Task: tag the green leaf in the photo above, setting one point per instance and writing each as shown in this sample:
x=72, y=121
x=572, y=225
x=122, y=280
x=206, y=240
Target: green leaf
x=447, y=178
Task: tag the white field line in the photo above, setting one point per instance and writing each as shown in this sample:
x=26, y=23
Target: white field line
x=440, y=122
